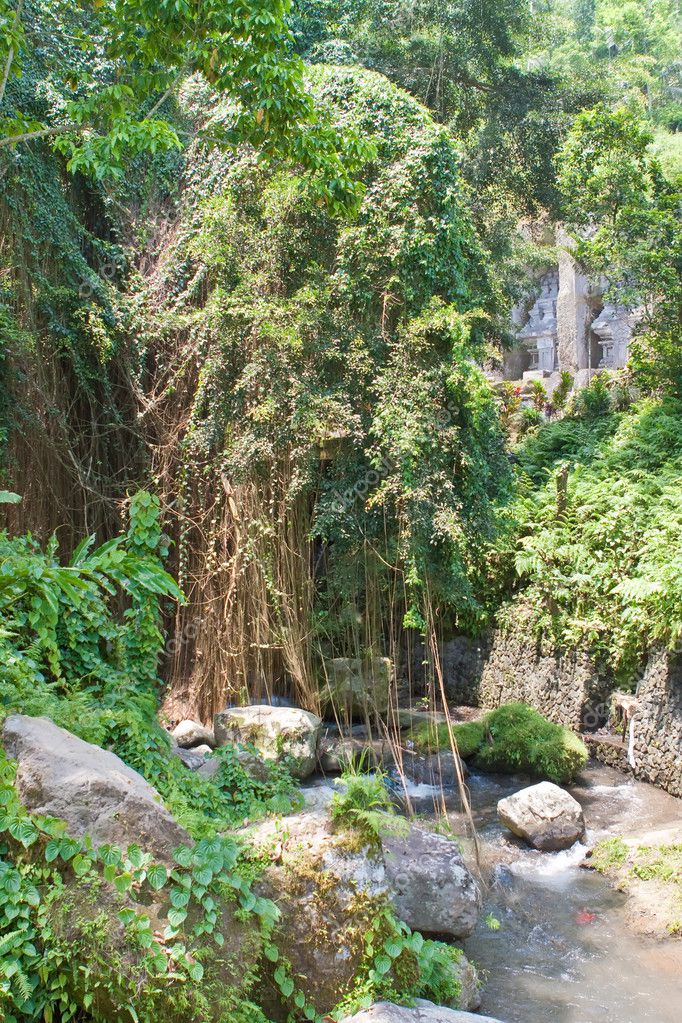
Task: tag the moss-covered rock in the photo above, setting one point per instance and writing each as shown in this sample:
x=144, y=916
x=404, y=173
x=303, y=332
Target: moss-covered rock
x=520, y=740
x=332, y=893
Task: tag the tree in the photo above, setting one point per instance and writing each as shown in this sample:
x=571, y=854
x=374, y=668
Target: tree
x=108, y=71
x=626, y=216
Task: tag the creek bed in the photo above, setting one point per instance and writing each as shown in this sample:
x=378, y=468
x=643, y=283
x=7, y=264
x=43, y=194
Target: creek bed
x=563, y=951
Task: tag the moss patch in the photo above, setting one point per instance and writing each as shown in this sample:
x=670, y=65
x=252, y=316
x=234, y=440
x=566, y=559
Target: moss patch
x=429, y=737
x=521, y=739
x=653, y=873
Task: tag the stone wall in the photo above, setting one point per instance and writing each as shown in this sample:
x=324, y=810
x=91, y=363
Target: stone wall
x=569, y=688
x=562, y=686
x=656, y=744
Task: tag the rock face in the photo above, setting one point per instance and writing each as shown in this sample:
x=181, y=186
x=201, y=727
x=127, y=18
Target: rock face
x=357, y=688
x=424, y=1012
x=335, y=753
x=192, y=758
x=276, y=732
x=91, y=789
x=189, y=734
x=431, y=888
x=544, y=815
x=329, y=891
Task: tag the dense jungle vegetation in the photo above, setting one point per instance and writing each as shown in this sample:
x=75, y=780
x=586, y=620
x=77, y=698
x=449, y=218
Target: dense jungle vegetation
x=257, y=266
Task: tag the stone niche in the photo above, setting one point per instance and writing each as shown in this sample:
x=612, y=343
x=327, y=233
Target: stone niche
x=613, y=329
x=539, y=336
x=568, y=326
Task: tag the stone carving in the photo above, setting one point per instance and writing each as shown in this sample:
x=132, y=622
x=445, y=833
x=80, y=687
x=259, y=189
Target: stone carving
x=539, y=335
x=613, y=328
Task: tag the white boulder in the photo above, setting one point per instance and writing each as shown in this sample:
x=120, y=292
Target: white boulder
x=544, y=815
x=189, y=734
x=423, y=1012
x=278, y=733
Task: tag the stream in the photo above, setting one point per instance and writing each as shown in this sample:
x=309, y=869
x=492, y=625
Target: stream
x=563, y=951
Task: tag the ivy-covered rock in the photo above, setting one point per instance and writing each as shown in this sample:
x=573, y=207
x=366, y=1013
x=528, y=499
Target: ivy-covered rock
x=278, y=733
x=334, y=892
x=90, y=788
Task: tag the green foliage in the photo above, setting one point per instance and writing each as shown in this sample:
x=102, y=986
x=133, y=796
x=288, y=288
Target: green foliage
x=600, y=568
x=66, y=905
x=399, y=965
x=73, y=651
x=430, y=738
x=610, y=181
x=113, y=71
x=608, y=854
x=363, y=806
x=366, y=331
x=519, y=739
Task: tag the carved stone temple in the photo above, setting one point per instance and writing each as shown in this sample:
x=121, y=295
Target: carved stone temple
x=566, y=324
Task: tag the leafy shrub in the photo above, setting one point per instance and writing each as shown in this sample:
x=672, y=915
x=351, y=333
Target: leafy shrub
x=599, y=564
x=593, y=400
x=363, y=805
x=563, y=389
x=521, y=739
x=527, y=419
x=400, y=965
x=429, y=738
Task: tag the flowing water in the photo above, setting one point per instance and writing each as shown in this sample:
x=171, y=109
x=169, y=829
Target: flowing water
x=563, y=952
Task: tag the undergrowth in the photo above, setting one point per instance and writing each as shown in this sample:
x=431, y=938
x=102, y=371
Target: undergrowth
x=599, y=519
x=661, y=864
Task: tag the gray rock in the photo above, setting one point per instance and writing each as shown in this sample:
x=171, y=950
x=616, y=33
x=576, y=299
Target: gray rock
x=209, y=768
x=357, y=688
x=336, y=752
x=252, y=763
x=544, y=815
x=191, y=758
x=189, y=734
x=420, y=872
x=431, y=888
x=276, y=732
x=326, y=888
x=424, y=1012
x=90, y=788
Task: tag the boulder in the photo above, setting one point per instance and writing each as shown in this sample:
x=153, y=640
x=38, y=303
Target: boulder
x=544, y=815
x=423, y=1012
x=430, y=886
x=336, y=752
x=190, y=733
x=329, y=888
x=252, y=763
x=192, y=758
x=277, y=733
x=59, y=775
x=357, y=688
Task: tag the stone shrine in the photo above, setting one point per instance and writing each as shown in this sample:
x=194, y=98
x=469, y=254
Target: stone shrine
x=566, y=325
